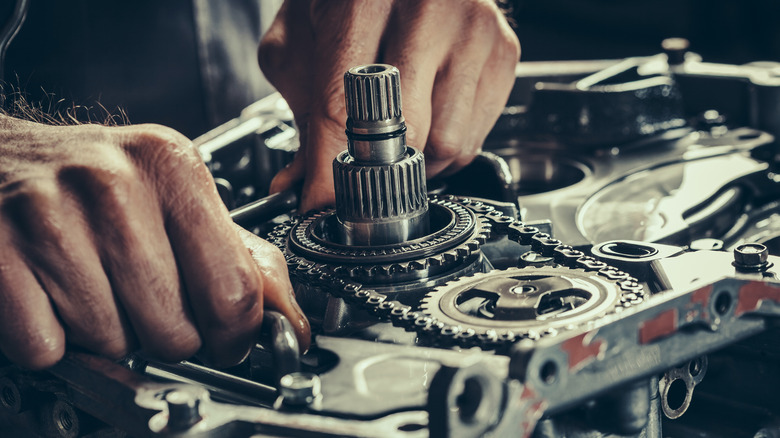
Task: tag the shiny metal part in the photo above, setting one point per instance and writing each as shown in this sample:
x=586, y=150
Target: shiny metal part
x=373, y=99
x=381, y=195
x=524, y=302
x=183, y=410
x=677, y=384
x=300, y=389
x=286, y=350
x=751, y=257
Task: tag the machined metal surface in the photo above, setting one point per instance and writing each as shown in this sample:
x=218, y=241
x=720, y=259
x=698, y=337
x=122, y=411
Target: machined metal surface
x=380, y=183
x=524, y=302
x=500, y=319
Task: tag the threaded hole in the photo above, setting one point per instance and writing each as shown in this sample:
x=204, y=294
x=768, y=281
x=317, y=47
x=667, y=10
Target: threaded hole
x=9, y=398
x=371, y=69
x=64, y=420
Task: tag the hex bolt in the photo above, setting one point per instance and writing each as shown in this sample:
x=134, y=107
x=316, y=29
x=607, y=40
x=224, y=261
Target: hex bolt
x=300, y=389
x=183, y=409
x=751, y=257
x=675, y=49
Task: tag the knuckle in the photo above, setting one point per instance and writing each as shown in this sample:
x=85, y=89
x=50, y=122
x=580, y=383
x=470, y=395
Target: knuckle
x=38, y=352
x=509, y=47
x=482, y=16
x=444, y=145
x=33, y=207
x=240, y=308
x=159, y=140
x=179, y=344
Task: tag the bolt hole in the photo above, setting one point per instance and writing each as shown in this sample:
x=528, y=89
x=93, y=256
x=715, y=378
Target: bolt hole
x=549, y=372
x=749, y=136
x=695, y=367
x=370, y=69
x=411, y=427
x=676, y=395
x=64, y=420
x=9, y=397
x=469, y=400
x=722, y=303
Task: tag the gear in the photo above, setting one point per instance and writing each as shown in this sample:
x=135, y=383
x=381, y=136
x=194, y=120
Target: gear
x=524, y=302
x=456, y=236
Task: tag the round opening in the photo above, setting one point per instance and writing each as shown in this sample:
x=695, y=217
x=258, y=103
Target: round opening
x=629, y=250
x=537, y=173
x=549, y=372
x=371, y=69
x=64, y=420
x=469, y=400
x=523, y=289
x=675, y=396
x=751, y=248
x=749, y=136
x=695, y=367
x=411, y=427
x=9, y=396
x=722, y=303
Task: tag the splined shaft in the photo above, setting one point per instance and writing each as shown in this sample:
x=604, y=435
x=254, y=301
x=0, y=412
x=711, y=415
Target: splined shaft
x=381, y=196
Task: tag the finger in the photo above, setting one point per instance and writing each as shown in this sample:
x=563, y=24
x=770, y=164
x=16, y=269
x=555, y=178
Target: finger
x=277, y=290
x=327, y=141
x=137, y=257
x=455, y=96
x=495, y=84
x=51, y=232
x=418, y=51
x=289, y=176
x=343, y=41
x=223, y=284
x=30, y=334
x=295, y=172
x=283, y=55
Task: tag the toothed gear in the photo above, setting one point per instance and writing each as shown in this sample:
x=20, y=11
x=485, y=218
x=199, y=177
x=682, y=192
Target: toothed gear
x=457, y=234
x=523, y=302
x=582, y=274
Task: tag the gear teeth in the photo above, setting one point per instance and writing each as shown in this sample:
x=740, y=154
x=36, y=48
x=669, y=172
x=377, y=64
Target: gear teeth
x=419, y=264
x=488, y=337
x=369, y=193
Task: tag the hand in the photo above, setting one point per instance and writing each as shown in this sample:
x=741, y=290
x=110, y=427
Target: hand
x=456, y=59
x=114, y=239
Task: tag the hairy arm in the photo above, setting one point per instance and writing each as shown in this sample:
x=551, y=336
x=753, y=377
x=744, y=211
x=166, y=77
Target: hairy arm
x=114, y=239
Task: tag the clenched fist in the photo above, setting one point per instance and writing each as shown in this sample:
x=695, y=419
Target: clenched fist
x=114, y=238
x=456, y=58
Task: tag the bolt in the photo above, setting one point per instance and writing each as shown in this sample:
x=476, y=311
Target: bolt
x=183, y=409
x=751, y=257
x=299, y=389
x=675, y=49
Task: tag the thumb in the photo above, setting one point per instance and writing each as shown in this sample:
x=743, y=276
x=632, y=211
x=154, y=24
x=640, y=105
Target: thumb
x=326, y=139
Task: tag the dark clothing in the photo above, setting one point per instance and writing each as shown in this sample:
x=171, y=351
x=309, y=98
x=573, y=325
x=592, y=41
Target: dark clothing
x=188, y=64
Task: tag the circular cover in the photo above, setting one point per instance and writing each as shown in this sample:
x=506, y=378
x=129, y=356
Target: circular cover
x=523, y=300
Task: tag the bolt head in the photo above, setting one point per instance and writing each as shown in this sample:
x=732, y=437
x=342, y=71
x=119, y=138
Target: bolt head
x=751, y=255
x=300, y=389
x=183, y=409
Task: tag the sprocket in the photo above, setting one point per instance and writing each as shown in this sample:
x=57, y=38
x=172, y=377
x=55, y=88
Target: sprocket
x=523, y=302
x=456, y=236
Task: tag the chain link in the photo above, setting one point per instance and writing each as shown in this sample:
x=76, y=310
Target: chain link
x=429, y=329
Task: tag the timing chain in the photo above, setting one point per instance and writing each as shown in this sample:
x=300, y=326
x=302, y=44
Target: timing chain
x=432, y=330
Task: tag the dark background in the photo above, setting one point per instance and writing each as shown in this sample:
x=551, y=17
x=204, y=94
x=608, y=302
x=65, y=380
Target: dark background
x=141, y=55
x=720, y=30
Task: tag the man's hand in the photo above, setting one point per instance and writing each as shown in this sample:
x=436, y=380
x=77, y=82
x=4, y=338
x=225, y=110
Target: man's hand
x=115, y=239
x=456, y=59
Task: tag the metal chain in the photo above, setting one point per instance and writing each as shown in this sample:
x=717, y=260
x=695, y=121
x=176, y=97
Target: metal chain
x=431, y=330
